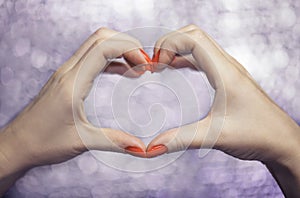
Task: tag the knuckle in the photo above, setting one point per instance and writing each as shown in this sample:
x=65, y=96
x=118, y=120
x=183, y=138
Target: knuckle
x=192, y=26
x=65, y=89
x=197, y=33
x=137, y=42
x=160, y=41
x=101, y=31
x=180, y=144
x=129, y=45
x=168, y=43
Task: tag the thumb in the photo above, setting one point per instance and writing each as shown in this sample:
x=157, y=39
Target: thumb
x=191, y=136
x=107, y=139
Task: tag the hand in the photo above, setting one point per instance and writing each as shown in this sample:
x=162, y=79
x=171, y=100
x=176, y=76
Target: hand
x=45, y=132
x=253, y=126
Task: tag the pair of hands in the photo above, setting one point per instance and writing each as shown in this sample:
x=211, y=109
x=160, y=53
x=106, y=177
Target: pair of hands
x=253, y=126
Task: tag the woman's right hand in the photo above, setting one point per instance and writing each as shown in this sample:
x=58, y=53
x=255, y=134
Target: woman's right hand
x=251, y=125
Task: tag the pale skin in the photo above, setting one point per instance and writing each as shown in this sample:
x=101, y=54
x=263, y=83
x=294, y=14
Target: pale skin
x=255, y=128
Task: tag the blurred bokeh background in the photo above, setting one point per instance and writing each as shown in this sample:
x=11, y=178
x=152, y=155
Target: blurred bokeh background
x=36, y=37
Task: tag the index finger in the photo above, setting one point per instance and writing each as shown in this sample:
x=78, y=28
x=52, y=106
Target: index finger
x=209, y=58
x=96, y=59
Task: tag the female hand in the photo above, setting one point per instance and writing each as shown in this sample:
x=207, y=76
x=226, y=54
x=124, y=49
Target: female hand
x=45, y=132
x=252, y=126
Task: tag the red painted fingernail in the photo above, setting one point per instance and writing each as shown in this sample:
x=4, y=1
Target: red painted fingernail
x=134, y=149
x=156, y=57
x=156, y=150
x=146, y=56
x=154, y=60
x=157, y=147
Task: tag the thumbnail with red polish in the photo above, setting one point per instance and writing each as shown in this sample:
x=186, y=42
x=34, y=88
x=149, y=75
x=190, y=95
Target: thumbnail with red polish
x=134, y=149
x=157, y=150
x=147, y=58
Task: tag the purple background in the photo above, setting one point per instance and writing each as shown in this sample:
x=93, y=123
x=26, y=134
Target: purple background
x=38, y=36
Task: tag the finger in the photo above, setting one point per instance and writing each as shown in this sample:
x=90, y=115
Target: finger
x=139, y=59
x=96, y=59
x=161, y=39
x=105, y=139
x=137, y=56
x=209, y=58
x=184, y=61
x=190, y=136
x=101, y=33
x=229, y=57
x=177, y=63
x=156, y=54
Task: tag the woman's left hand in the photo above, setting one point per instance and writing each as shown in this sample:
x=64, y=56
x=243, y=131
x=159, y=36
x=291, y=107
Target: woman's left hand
x=46, y=131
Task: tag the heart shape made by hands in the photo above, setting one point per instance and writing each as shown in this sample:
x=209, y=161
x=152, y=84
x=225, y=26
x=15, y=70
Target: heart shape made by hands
x=157, y=149
x=152, y=67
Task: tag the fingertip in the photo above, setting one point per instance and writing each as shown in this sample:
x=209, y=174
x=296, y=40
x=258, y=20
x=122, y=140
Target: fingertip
x=121, y=141
x=136, y=57
x=154, y=60
x=147, y=58
x=164, y=58
x=156, y=150
x=155, y=51
x=147, y=67
x=155, y=56
x=139, y=60
x=135, y=151
x=136, y=147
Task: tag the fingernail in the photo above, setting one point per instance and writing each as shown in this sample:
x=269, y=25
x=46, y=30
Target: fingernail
x=157, y=147
x=156, y=57
x=157, y=150
x=134, y=149
x=146, y=56
x=154, y=60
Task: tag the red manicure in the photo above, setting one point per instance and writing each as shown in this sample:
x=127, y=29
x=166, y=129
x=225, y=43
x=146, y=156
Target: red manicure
x=134, y=149
x=155, y=58
x=156, y=150
x=147, y=67
x=157, y=147
x=146, y=56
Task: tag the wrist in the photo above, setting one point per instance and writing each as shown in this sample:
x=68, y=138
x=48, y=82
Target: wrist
x=287, y=175
x=290, y=147
x=13, y=156
x=285, y=167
